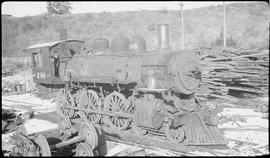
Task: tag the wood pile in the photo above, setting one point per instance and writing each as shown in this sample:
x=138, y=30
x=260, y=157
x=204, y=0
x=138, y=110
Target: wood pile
x=230, y=72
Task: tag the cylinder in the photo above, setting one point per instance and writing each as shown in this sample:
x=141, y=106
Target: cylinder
x=163, y=36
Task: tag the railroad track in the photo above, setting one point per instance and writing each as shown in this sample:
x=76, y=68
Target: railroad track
x=152, y=141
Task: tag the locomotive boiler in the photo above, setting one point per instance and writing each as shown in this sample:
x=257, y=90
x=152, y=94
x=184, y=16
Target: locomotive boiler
x=126, y=87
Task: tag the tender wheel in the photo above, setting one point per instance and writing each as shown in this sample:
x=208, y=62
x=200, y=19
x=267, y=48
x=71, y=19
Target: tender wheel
x=116, y=102
x=65, y=99
x=89, y=132
x=175, y=135
x=84, y=149
x=42, y=143
x=90, y=100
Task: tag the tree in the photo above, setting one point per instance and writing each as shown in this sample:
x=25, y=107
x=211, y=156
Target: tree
x=56, y=8
x=163, y=10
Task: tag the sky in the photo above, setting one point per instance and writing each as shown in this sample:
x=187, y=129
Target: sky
x=20, y=9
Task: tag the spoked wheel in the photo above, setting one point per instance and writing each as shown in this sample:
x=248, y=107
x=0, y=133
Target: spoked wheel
x=116, y=102
x=89, y=100
x=175, y=135
x=65, y=99
x=84, y=149
x=89, y=132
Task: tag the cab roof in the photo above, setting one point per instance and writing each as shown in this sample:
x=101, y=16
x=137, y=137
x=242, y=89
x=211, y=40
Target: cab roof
x=50, y=44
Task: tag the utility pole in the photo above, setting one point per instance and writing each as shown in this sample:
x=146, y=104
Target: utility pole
x=224, y=25
x=182, y=25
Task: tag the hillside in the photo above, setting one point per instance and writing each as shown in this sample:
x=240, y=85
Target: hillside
x=247, y=24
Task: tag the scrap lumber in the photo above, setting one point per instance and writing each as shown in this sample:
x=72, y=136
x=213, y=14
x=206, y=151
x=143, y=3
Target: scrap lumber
x=243, y=56
x=231, y=69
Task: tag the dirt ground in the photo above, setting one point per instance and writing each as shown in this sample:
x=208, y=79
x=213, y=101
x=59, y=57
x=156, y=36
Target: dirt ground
x=246, y=129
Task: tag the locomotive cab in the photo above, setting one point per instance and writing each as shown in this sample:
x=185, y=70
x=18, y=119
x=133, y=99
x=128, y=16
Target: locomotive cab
x=49, y=59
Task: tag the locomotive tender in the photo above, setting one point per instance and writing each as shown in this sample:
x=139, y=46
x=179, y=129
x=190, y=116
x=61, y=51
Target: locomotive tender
x=129, y=88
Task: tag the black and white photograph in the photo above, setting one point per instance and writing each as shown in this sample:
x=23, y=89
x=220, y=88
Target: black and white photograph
x=135, y=78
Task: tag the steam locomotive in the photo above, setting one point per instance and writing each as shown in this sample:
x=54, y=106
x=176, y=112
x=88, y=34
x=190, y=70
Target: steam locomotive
x=126, y=87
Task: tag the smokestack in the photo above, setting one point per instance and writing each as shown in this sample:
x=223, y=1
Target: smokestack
x=163, y=36
x=63, y=33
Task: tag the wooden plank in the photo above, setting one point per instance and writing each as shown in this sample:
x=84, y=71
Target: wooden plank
x=242, y=56
x=223, y=97
x=216, y=68
x=216, y=83
x=254, y=84
x=252, y=62
x=207, y=55
x=245, y=72
x=251, y=68
x=244, y=89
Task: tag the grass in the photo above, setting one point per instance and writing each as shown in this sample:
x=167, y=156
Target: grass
x=247, y=24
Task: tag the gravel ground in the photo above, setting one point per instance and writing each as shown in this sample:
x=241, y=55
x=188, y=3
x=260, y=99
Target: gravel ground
x=251, y=141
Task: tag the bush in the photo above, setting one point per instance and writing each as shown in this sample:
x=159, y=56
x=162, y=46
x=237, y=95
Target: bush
x=163, y=10
x=219, y=40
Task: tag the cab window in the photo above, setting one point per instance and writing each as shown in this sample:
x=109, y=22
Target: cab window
x=37, y=60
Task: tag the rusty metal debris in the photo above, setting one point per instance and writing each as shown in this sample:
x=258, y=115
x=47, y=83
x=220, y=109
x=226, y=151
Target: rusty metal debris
x=10, y=120
x=87, y=140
